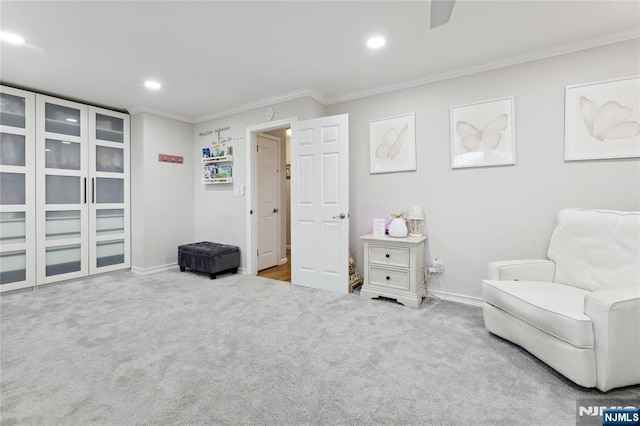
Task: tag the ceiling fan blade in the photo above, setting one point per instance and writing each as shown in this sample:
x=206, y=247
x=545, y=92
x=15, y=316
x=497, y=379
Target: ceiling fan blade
x=440, y=12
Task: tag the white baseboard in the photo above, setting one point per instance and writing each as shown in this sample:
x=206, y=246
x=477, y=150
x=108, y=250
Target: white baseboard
x=164, y=268
x=283, y=261
x=154, y=270
x=459, y=298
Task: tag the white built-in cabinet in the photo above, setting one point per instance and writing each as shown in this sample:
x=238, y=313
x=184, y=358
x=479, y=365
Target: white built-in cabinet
x=81, y=202
x=17, y=189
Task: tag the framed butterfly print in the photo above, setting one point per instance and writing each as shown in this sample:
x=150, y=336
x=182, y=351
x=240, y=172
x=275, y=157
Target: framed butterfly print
x=392, y=144
x=482, y=134
x=602, y=120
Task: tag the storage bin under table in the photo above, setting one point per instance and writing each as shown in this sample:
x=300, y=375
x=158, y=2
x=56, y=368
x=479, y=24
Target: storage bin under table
x=208, y=257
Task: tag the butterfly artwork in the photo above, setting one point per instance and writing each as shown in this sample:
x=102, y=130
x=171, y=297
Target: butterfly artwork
x=392, y=144
x=482, y=134
x=608, y=121
x=490, y=136
x=602, y=120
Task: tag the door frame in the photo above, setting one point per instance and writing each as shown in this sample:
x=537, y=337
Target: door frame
x=250, y=193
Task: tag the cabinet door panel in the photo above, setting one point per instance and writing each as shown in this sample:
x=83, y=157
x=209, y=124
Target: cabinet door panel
x=13, y=110
x=60, y=154
x=12, y=188
x=109, y=190
x=14, y=267
x=62, y=120
x=62, y=157
x=63, y=260
x=12, y=150
x=109, y=159
x=109, y=128
x=62, y=189
x=17, y=189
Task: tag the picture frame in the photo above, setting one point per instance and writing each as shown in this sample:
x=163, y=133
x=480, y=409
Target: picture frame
x=392, y=144
x=482, y=134
x=602, y=120
x=379, y=226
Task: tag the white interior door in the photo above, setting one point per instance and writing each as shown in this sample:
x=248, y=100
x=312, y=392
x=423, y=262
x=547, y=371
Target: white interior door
x=267, y=166
x=320, y=203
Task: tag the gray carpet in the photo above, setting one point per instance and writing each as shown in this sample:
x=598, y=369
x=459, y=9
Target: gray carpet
x=177, y=348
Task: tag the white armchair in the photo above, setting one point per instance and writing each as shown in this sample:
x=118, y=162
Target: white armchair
x=579, y=311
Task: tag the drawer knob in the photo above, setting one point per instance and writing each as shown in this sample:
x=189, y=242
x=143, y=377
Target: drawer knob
x=387, y=255
x=388, y=278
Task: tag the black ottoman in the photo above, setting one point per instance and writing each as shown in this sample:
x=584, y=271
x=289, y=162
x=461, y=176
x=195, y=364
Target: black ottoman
x=209, y=257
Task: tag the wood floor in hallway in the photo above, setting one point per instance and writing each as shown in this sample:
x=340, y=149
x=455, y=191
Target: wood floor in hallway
x=281, y=272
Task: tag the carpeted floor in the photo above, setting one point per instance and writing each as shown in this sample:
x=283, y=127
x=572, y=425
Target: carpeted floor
x=177, y=348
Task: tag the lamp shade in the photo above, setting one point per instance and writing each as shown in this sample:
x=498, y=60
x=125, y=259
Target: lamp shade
x=415, y=212
x=415, y=220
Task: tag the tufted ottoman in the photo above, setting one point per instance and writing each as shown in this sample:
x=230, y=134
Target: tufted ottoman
x=209, y=257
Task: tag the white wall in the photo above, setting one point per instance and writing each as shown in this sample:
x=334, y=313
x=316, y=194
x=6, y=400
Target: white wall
x=162, y=193
x=218, y=214
x=478, y=215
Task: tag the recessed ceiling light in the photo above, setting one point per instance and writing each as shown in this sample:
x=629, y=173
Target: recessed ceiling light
x=150, y=84
x=376, y=42
x=11, y=38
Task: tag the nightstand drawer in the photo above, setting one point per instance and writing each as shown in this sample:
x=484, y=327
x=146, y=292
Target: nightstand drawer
x=391, y=256
x=389, y=278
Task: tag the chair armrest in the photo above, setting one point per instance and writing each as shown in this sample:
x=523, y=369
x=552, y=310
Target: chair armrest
x=615, y=315
x=522, y=270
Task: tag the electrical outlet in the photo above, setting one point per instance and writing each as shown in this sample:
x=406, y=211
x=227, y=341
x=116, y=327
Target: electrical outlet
x=436, y=266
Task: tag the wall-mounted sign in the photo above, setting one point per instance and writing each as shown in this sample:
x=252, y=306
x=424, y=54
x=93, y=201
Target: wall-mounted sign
x=166, y=158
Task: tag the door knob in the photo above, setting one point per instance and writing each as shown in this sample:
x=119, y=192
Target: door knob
x=275, y=210
x=340, y=216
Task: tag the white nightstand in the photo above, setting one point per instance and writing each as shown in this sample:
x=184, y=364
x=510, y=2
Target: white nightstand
x=394, y=268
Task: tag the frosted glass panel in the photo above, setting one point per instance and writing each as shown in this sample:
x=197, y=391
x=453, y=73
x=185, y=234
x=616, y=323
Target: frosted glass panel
x=13, y=227
x=12, y=149
x=62, y=189
x=61, y=154
x=109, y=159
x=109, y=253
x=109, y=221
x=62, y=260
x=109, y=128
x=13, y=266
x=109, y=190
x=61, y=119
x=12, y=188
x=62, y=224
x=12, y=110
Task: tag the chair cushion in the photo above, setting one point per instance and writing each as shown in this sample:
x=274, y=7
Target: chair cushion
x=553, y=308
x=596, y=249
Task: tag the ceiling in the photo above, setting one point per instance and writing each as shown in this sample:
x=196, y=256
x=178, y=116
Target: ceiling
x=215, y=58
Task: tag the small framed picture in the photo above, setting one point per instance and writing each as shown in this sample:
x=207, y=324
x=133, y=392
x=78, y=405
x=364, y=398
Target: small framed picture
x=379, y=226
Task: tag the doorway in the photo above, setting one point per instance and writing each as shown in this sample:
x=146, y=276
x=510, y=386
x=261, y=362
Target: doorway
x=261, y=226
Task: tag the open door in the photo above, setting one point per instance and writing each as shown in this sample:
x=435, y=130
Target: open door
x=320, y=203
x=268, y=200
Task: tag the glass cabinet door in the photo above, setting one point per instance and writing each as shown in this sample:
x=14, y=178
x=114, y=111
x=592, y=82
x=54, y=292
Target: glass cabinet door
x=62, y=151
x=17, y=189
x=109, y=239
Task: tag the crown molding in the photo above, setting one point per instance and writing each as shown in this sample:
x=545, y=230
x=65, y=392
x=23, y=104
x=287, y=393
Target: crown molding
x=503, y=63
x=261, y=103
x=432, y=78
x=138, y=109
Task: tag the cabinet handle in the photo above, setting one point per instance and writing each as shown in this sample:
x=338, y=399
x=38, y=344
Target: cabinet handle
x=93, y=190
x=388, y=278
x=85, y=190
x=387, y=255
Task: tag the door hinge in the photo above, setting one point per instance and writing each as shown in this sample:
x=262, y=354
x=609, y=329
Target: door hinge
x=257, y=147
x=258, y=253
